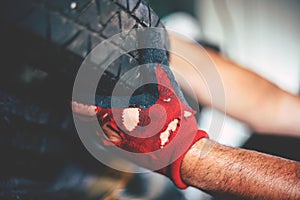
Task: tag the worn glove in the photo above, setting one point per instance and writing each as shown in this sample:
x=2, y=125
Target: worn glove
x=157, y=137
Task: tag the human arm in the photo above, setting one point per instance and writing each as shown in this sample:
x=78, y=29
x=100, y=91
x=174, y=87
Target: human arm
x=249, y=97
x=234, y=172
x=225, y=171
x=125, y=141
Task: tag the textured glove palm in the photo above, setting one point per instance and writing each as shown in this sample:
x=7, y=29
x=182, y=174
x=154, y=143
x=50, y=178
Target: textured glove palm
x=157, y=137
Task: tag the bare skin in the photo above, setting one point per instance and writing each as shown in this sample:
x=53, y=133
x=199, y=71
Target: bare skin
x=240, y=173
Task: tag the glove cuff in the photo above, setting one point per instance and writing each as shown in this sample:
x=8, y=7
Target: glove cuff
x=173, y=170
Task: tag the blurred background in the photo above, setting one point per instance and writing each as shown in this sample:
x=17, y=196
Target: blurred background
x=261, y=35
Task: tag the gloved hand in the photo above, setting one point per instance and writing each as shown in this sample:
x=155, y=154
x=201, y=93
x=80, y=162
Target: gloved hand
x=162, y=133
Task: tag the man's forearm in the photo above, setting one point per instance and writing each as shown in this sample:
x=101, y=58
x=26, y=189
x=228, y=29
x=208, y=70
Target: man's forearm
x=223, y=170
x=256, y=101
x=249, y=97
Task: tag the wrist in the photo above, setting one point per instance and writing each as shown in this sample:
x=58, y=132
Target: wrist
x=174, y=170
x=193, y=160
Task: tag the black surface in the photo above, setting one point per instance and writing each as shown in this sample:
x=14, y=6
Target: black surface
x=283, y=146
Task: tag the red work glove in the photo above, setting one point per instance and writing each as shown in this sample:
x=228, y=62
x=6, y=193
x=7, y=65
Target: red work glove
x=156, y=138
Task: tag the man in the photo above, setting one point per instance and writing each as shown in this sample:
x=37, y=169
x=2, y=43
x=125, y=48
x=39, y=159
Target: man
x=216, y=168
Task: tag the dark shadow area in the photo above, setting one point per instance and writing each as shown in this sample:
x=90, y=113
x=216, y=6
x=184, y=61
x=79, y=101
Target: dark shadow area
x=286, y=147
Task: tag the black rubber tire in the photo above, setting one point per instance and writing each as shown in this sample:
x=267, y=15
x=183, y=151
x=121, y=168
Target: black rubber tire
x=43, y=43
